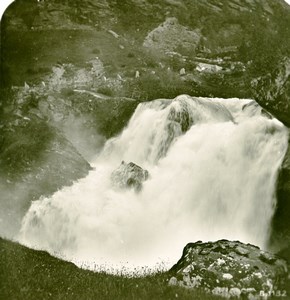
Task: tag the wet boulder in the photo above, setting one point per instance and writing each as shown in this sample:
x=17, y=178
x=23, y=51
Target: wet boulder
x=230, y=269
x=129, y=175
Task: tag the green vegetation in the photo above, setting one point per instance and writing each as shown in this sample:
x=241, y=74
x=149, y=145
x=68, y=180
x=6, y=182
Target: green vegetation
x=29, y=55
x=265, y=49
x=29, y=274
x=162, y=84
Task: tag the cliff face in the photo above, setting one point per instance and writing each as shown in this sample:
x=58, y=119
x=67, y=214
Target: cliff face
x=78, y=64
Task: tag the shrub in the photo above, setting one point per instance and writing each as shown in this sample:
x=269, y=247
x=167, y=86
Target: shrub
x=106, y=90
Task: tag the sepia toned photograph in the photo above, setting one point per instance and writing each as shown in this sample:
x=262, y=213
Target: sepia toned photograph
x=144, y=149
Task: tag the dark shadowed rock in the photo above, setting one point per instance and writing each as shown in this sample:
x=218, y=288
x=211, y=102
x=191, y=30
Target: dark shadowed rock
x=272, y=91
x=129, y=176
x=280, y=238
x=230, y=269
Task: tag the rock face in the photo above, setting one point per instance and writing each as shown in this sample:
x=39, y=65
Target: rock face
x=230, y=269
x=169, y=35
x=281, y=219
x=35, y=160
x=129, y=176
x=273, y=91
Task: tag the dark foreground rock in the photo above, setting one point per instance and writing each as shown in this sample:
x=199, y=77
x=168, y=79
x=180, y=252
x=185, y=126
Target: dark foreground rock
x=129, y=176
x=230, y=269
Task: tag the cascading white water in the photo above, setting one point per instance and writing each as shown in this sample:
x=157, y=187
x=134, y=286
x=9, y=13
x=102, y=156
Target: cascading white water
x=213, y=164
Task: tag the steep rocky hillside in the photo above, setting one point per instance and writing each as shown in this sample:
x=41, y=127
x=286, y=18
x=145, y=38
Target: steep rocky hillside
x=36, y=159
x=222, y=45
x=209, y=48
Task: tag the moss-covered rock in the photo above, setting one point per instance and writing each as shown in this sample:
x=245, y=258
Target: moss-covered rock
x=230, y=269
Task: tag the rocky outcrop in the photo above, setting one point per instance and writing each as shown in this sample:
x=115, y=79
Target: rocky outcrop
x=230, y=269
x=170, y=35
x=129, y=176
x=273, y=92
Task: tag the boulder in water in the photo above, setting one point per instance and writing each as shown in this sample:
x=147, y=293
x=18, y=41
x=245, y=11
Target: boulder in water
x=129, y=176
x=230, y=269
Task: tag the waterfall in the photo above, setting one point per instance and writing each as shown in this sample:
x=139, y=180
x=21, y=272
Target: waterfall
x=213, y=165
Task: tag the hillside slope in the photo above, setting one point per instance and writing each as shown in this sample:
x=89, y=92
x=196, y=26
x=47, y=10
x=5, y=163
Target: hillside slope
x=29, y=274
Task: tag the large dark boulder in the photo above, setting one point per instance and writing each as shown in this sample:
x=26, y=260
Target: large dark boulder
x=129, y=176
x=230, y=269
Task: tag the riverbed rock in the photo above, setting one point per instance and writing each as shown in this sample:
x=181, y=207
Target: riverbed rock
x=230, y=269
x=129, y=176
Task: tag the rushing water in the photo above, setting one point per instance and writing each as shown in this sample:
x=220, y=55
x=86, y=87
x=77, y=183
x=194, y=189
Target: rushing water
x=213, y=165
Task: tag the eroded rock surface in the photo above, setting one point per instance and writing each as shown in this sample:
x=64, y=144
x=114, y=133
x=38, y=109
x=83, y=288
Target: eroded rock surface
x=230, y=269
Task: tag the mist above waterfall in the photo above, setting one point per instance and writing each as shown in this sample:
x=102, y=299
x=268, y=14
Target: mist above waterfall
x=213, y=165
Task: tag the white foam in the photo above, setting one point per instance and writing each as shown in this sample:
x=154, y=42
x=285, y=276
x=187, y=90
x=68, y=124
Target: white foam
x=215, y=180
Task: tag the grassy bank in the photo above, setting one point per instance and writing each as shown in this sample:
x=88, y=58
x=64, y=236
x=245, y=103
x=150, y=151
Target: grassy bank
x=30, y=274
